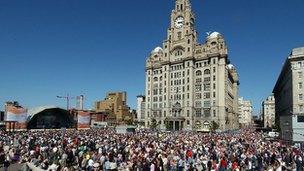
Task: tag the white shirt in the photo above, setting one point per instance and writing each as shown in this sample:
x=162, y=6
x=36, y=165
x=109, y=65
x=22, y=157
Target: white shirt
x=90, y=162
x=113, y=165
x=165, y=161
x=279, y=168
x=152, y=168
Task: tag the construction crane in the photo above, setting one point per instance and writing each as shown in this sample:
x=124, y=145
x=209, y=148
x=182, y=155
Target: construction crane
x=67, y=97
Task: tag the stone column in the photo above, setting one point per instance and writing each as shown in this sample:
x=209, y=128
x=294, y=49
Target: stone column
x=173, y=125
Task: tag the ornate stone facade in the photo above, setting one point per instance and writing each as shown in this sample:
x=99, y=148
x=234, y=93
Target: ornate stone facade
x=245, y=112
x=268, y=112
x=190, y=84
x=289, y=101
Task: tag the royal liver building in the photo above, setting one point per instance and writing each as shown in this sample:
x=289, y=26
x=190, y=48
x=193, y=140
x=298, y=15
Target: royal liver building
x=190, y=84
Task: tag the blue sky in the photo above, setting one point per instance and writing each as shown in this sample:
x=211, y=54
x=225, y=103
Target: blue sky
x=54, y=47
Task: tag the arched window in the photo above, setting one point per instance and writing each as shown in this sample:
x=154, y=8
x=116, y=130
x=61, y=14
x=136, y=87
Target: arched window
x=207, y=71
x=198, y=73
x=213, y=43
x=178, y=53
x=155, y=79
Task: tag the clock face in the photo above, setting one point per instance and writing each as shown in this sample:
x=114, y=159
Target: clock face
x=179, y=22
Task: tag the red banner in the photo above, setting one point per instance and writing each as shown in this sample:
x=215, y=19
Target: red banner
x=84, y=119
x=16, y=115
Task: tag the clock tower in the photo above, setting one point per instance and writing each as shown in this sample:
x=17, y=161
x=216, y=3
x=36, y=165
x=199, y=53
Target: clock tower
x=190, y=85
x=182, y=36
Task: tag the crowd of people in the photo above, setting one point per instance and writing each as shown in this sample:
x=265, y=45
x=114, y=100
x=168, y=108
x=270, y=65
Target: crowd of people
x=104, y=149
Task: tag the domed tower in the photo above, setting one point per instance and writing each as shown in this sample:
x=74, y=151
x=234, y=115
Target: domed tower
x=155, y=58
x=215, y=43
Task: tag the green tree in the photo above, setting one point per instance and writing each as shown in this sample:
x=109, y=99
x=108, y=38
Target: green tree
x=129, y=122
x=153, y=124
x=277, y=127
x=167, y=124
x=214, y=126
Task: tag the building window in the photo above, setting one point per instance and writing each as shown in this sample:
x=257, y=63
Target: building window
x=213, y=77
x=198, y=112
x=206, y=87
x=188, y=49
x=198, y=104
x=179, y=35
x=198, y=73
x=188, y=122
x=207, y=95
x=188, y=113
x=198, y=80
x=214, y=70
x=214, y=61
x=214, y=113
x=178, y=53
x=165, y=115
x=155, y=106
x=206, y=79
x=300, y=85
x=206, y=104
x=301, y=108
x=198, y=87
x=198, y=95
x=300, y=118
x=300, y=96
x=155, y=99
x=214, y=86
x=207, y=72
x=188, y=41
x=300, y=75
x=155, y=92
x=207, y=112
